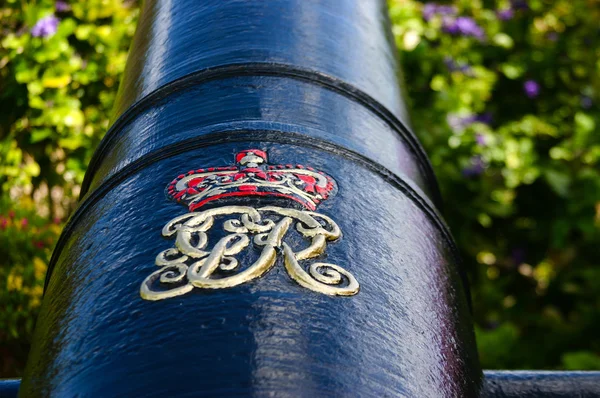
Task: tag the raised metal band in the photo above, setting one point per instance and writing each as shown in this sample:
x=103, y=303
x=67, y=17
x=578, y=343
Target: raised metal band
x=266, y=69
x=408, y=189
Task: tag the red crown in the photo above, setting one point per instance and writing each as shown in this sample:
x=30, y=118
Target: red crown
x=252, y=177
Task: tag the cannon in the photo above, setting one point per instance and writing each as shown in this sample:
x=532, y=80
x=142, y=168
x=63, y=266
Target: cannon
x=259, y=220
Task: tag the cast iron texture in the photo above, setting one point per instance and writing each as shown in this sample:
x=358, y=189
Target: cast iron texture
x=531, y=384
x=9, y=388
x=311, y=83
x=272, y=103
x=498, y=384
x=407, y=332
x=341, y=46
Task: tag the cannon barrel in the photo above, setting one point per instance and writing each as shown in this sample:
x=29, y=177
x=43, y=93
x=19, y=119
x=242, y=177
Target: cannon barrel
x=258, y=221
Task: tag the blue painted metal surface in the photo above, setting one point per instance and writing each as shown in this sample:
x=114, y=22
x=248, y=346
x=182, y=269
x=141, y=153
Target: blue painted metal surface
x=497, y=384
x=526, y=384
x=308, y=82
x=9, y=388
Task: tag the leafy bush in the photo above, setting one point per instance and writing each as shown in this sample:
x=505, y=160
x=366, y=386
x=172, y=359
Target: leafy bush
x=26, y=240
x=60, y=65
x=505, y=99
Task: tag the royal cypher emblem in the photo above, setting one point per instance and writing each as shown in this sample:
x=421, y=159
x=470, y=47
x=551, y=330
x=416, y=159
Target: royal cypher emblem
x=250, y=238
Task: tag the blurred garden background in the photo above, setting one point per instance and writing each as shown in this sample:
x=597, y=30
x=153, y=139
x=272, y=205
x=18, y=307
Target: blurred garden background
x=505, y=98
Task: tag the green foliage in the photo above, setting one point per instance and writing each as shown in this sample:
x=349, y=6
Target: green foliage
x=505, y=99
x=60, y=65
x=26, y=241
x=58, y=88
x=506, y=104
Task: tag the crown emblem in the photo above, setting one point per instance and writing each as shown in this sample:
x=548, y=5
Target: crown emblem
x=252, y=176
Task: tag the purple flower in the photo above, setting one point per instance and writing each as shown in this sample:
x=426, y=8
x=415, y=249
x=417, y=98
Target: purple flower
x=430, y=10
x=449, y=26
x=552, y=36
x=446, y=10
x=463, y=25
x=62, y=6
x=480, y=139
x=485, y=118
x=45, y=27
x=475, y=168
x=468, y=27
x=506, y=14
x=532, y=88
